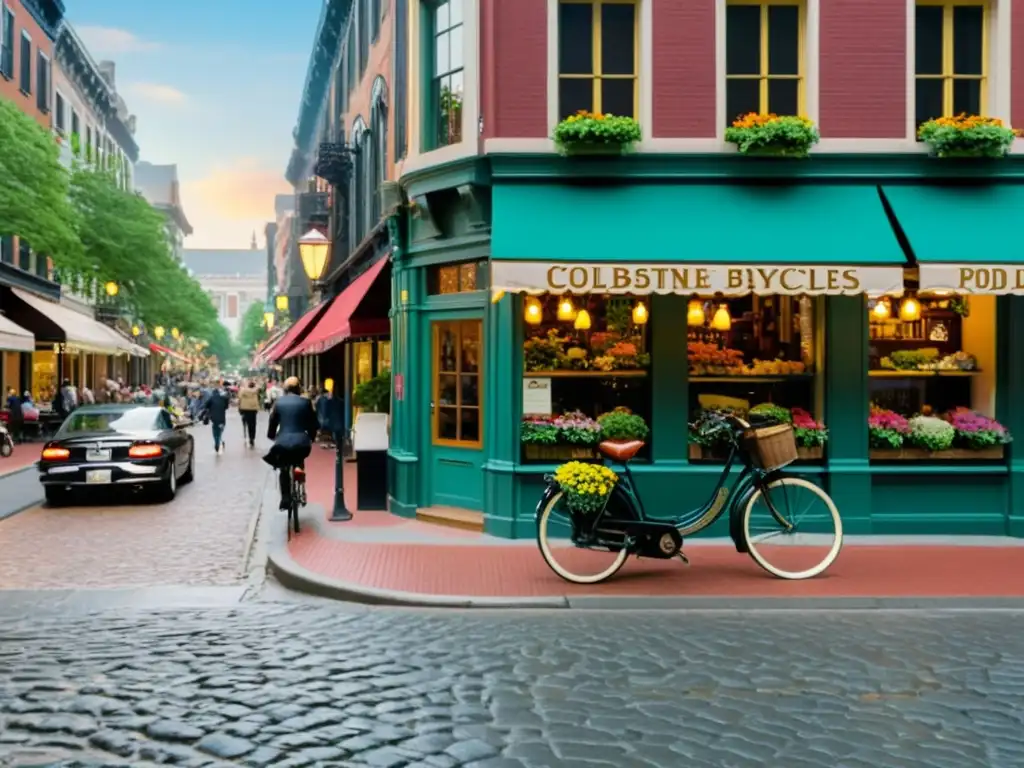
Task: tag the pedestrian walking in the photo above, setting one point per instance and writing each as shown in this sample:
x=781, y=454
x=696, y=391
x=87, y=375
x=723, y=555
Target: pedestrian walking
x=216, y=413
x=15, y=415
x=249, y=406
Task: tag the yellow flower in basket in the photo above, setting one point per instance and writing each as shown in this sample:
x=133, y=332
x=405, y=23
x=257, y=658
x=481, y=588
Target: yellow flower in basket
x=586, y=486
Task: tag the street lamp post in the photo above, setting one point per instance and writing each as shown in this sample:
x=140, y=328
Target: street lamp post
x=314, y=249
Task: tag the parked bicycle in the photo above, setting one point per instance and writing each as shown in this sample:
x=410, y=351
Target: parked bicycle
x=788, y=525
x=297, y=479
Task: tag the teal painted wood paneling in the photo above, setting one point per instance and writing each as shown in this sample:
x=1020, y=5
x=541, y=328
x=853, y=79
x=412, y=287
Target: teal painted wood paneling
x=776, y=224
x=1009, y=401
x=948, y=504
x=669, y=383
x=980, y=222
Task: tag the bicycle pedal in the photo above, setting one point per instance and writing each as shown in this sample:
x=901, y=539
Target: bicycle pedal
x=684, y=558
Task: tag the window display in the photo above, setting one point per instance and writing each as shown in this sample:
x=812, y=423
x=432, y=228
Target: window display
x=931, y=394
x=755, y=354
x=585, y=365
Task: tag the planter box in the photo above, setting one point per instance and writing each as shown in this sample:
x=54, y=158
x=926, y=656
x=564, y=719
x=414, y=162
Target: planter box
x=559, y=452
x=954, y=454
x=577, y=150
x=811, y=454
x=696, y=452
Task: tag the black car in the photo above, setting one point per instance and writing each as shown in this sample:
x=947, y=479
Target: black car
x=99, y=446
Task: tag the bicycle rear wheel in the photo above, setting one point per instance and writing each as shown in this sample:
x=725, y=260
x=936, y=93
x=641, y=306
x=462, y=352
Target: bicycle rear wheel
x=565, y=552
x=792, y=528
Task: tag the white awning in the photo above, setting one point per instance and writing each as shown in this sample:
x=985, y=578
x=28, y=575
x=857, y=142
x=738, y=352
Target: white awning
x=14, y=338
x=124, y=344
x=82, y=333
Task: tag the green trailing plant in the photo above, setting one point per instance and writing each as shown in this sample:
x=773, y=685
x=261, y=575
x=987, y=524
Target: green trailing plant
x=967, y=136
x=620, y=424
x=374, y=395
x=596, y=130
x=781, y=135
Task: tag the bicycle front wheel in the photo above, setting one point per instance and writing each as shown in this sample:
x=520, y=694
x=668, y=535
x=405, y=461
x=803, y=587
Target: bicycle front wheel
x=566, y=553
x=792, y=528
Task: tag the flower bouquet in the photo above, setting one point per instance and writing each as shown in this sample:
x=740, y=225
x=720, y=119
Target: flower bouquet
x=707, y=359
x=967, y=136
x=778, y=135
x=587, y=487
x=596, y=133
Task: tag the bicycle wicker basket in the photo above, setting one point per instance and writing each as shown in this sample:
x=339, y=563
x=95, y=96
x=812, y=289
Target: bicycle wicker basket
x=771, y=447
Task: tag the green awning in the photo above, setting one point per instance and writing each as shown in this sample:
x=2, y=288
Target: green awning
x=961, y=224
x=804, y=224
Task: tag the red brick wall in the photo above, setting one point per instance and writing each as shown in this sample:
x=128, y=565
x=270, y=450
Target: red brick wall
x=862, y=88
x=1017, y=64
x=514, y=68
x=9, y=88
x=684, y=69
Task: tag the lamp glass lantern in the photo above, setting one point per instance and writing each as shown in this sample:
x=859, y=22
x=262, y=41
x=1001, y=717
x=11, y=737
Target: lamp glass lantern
x=112, y=289
x=159, y=332
x=314, y=248
x=281, y=302
x=268, y=320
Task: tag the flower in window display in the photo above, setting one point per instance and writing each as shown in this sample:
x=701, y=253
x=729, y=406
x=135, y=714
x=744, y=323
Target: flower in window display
x=886, y=429
x=931, y=433
x=576, y=428
x=976, y=431
x=779, y=135
x=808, y=432
x=967, y=136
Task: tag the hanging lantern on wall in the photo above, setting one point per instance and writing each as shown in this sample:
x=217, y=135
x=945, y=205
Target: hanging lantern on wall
x=695, y=314
x=640, y=313
x=566, y=311
x=582, y=322
x=910, y=309
x=532, y=312
x=881, y=310
x=722, y=321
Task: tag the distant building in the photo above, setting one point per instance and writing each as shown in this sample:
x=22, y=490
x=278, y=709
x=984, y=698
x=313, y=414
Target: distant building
x=234, y=279
x=159, y=185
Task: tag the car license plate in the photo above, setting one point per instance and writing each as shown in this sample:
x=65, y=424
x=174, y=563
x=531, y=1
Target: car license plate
x=97, y=455
x=97, y=477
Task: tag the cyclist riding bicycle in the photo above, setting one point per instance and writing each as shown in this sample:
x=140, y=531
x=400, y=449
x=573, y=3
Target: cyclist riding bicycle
x=293, y=427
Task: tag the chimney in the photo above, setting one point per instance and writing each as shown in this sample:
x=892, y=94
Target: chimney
x=108, y=70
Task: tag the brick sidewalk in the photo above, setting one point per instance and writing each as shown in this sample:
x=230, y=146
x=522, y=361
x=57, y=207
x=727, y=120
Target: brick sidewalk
x=25, y=455
x=380, y=551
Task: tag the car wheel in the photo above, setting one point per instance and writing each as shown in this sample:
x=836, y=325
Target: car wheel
x=55, y=497
x=190, y=473
x=6, y=448
x=169, y=487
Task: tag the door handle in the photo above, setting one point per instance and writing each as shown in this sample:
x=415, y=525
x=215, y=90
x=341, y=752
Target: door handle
x=431, y=407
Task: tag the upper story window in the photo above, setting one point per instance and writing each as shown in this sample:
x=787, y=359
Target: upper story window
x=598, y=57
x=25, y=80
x=364, y=36
x=445, y=25
x=42, y=81
x=60, y=116
x=950, y=71
x=6, y=42
x=764, y=58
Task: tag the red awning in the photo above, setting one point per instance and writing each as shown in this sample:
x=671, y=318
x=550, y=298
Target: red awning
x=337, y=323
x=261, y=353
x=168, y=352
x=295, y=333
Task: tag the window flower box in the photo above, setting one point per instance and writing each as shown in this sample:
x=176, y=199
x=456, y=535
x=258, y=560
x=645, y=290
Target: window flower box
x=967, y=136
x=953, y=454
x=595, y=133
x=559, y=452
x=772, y=135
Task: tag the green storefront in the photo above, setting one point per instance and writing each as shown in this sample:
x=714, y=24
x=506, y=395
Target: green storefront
x=850, y=290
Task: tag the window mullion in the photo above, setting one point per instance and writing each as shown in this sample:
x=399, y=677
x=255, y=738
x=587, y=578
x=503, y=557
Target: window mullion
x=595, y=44
x=947, y=60
x=763, y=82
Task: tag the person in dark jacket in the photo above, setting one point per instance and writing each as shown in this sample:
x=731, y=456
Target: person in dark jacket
x=15, y=416
x=217, y=414
x=293, y=427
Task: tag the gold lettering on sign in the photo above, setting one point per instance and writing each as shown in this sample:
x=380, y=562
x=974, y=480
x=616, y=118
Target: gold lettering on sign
x=578, y=277
x=597, y=279
x=551, y=278
x=620, y=278
x=641, y=279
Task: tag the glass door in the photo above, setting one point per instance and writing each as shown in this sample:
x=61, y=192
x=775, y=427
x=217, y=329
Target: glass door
x=456, y=383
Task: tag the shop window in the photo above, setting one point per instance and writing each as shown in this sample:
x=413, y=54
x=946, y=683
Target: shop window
x=950, y=71
x=932, y=368
x=383, y=356
x=44, y=376
x=24, y=255
x=446, y=59
x=457, y=278
x=764, y=58
x=598, y=57
x=583, y=357
x=456, y=386
x=755, y=354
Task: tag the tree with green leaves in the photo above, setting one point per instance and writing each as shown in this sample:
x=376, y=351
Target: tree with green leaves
x=253, y=330
x=34, y=202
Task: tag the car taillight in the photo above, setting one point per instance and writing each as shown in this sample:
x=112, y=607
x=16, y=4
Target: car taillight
x=56, y=454
x=145, y=451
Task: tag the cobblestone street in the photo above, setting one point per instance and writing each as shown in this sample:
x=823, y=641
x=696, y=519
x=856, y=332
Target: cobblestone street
x=305, y=684
x=198, y=539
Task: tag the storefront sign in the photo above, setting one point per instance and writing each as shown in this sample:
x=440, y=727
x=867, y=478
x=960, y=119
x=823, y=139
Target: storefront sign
x=686, y=279
x=537, y=396
x=976, y=278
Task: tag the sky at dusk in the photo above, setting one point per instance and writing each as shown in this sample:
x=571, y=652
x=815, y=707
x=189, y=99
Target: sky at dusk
x=215, y=85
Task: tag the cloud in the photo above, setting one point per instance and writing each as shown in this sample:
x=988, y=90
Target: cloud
x=110, y=41
x=231, y=201
x=158, y=93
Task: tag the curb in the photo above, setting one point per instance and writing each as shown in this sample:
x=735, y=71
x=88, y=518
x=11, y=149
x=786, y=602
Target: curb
x=300, y=579
x=12, y=472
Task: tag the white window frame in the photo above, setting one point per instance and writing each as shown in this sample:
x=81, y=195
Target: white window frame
x=66, y=130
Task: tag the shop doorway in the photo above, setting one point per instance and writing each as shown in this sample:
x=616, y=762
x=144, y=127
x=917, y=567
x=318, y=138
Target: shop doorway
x=456, y=414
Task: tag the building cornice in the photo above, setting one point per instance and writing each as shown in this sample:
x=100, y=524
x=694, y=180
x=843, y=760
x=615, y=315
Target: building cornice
x=79, y=66
x=123, y=137
x=333, y=22
x=48, y=14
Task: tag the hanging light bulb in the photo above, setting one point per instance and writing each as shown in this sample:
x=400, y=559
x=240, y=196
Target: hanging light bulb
x=881, y=310
x=695, y=314
x=533, y=313
x=582, y=322
x=910, y=309
x=640, y=313
x=722, y=321
x=566, y=311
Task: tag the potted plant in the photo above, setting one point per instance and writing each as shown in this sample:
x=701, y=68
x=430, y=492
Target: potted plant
x=596, y=133
x=810, y=435
x=569, y=436
x=587, y=487
x=374, y=396
x=967, y=136
x=887, y=431
x=621, y=425
x=931, y=434
x=544, y=353
x=777, y=135
x=980, y=436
